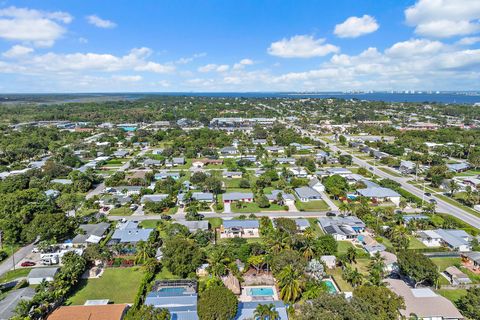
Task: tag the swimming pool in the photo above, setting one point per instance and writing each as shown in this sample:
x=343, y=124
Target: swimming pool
x=129, y=128
x=331, y=287
x=260, y=292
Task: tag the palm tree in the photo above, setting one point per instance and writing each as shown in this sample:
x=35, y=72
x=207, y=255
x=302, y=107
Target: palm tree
x=343, y=207
x=351, y=255
x=266, y=312
x=355, y=278
x=308, y=249
x=290, y=284
x=218, y=261
x=144, y=251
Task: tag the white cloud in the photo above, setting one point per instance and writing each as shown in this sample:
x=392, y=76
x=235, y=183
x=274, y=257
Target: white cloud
x=355, y=27
x=214, y=67
x=82, y=40
x=301, y=46
x=468, y=41
x=242, y=63
x=40, y=28
x=99, y=22
x=191, y=58
x=127, y=78
x=444, y=18
x=414, y=47
x=135, y=60
x=17, y=51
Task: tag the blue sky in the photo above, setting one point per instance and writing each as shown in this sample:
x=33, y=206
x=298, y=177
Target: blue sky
x=248, y=45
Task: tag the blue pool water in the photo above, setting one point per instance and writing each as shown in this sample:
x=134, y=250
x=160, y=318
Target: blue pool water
x=172, y=291
x=129, y=128
x=330, y=286
x=260, y=292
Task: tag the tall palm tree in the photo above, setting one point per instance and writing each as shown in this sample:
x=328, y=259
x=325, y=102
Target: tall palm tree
x=143, y=252
x=266, y=312
x=308, y=249
x=355, y=278
x=218, y=261
x=290, y=284
x=351, y=255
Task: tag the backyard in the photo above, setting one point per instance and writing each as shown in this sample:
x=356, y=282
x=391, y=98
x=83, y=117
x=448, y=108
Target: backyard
x=315, y=205
x=119, y=285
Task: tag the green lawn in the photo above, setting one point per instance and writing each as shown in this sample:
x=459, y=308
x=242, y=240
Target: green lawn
x=149, y=224
x=14, y=274
x=315, y=205
x=316, y=228
x=452, y=295
x=342, y=247
x=119, y=285
x=165, y=274
x=390, y=172
x=233, y=183
x=443, y=263
x=415, y=243
x=215, y=222
x=337, y=275
x=122, y=211
x=247, y=207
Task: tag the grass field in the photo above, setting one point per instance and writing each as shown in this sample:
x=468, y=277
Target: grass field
x=443, y=263
x=165, y=274
x=337, y=275
x=215, y=222
x=14, y=274
x=149, y=224
x=119, y=285
x=415, y=243
x=452, y=295
x=316, y=205
x=390, y=172
x=122, y=211
x=316, y=228
x=247, y=207
x=344, y=245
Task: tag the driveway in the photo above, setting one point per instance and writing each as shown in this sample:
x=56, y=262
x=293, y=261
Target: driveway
x=226, y=207
x=330, y=203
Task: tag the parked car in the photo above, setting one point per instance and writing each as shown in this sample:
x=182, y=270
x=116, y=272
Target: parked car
x=331, y=214
x=28, y=264
x=166, y=217
x=428, y=194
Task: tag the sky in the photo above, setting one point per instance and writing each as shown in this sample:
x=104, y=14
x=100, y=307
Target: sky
x=238, y=46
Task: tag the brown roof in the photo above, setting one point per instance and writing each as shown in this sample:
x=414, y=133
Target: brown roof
x=98, y=312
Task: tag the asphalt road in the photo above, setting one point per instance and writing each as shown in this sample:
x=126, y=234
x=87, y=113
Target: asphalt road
x=19, y=255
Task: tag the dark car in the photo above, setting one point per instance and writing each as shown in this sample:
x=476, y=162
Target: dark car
x=28, y=264
x=433, y=201
x=428, y=194
x=166, y=217
x=331, y=214
x=201, y=216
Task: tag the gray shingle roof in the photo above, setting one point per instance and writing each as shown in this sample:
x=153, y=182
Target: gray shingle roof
x=237, y=196
x=307, y=192
x=378, y=192
x=245, y=224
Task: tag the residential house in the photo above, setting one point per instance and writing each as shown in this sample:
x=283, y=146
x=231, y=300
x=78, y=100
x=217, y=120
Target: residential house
x=380, y=194
x=153, y=197
x=275, y=149
x=232, y=174
x=126, y=190
x=316, y=185
x=423, y=303
x=37, y=275
x=302, y=224
x=287, y=198
x=197, y=196
x=306, y=194
x=228, y=151
x=179, y=161
x=282, y=160
x=458, y=167
x=121, y=153
x=340, y=171
x=390, y=260
x=157, y=151
x=165, y=174
x=62, y=181
x=329, y=261
x=129, y=232
x=471, y=260
x=455, y=239
x=178, y=297
x=456, y=277
x=52, y=194
x=90, y=312
x=91, y=233
x=194, y=226
x=240, y=229
x=230, y=197
x=246, y=310
x=149, y=163
x=298, y=172
x=407, y=167
x=259, y=141
x=342, y=228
